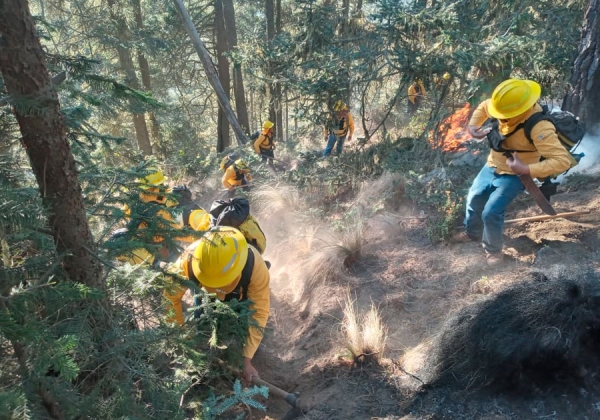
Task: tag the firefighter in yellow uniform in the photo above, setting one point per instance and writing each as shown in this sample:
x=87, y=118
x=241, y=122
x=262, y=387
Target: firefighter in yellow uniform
x=237, y=175
x=339, y=127
x=264, y=146
x=416, y=94
x=498, y=183
x=153, y=211
x=223, y=263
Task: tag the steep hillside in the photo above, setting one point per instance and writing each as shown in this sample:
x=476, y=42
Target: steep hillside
x=416, y=286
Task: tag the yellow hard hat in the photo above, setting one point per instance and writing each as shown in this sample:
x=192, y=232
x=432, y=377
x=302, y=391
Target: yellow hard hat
x=340, y=106
x=155, y=178
x=220, y=256
x=446, y=76
x=267, y=124
x=241, y=164
x=199, y=220
x=513, y=97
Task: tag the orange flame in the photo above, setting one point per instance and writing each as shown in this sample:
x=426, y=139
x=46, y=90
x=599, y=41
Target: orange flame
x=452, y=132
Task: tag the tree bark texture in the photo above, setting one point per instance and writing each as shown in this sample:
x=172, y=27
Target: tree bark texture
x=38, y=113
x=223, y=140
x=145, y=72
x=277, y=85
x=211, y=74
x=126, y=62
x=584, y=98
x=239, y=92
x=270, y=17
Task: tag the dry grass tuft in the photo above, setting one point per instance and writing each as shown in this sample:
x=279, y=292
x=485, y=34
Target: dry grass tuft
x=386, y=192
x=270, y=200
x=364, y=335
x=351, y=245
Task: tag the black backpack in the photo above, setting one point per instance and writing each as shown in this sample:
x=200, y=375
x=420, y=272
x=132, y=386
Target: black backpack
x=232, y=212
x=255, y=135
x=569, y=129
x=183, y=194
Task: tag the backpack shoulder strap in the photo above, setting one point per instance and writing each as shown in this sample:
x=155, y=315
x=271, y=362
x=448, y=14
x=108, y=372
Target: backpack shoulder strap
x=534, y=119
x=246, y=275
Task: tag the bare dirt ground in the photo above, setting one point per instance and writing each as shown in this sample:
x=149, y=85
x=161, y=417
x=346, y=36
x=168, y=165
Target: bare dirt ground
x=416, y=286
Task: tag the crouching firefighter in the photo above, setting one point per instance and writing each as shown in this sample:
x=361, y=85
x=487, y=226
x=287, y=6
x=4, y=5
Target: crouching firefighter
x=224, y=264
x=237, y=174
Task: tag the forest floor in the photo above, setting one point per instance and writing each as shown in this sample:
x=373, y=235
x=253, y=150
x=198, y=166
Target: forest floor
x=415, y=285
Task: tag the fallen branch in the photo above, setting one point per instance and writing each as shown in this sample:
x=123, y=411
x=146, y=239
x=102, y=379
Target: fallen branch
x=547, y=217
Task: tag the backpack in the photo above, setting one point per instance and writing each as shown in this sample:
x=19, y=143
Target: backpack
x=183, y=193
x=255, y=135
x=569, y=129
x=236, y=213
x=228, y=160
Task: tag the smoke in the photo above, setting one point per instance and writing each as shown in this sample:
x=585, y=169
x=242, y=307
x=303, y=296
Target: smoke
x=590, y=163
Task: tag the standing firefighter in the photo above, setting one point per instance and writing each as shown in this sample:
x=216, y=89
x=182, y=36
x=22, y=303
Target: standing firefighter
x=223, y=263
x=237, y=173
x=339, y=127
x=503, y=177
x=263, y=145
x=416, y=93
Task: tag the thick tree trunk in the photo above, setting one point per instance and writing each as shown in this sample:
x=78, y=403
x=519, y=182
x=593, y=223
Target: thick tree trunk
x=38, y=112
x=270, y=15
x=126, y=62
x=223, y=140
x=145, y=72
x=277, y=85
x=238, y=82
x=584, y=98
x=209, y=68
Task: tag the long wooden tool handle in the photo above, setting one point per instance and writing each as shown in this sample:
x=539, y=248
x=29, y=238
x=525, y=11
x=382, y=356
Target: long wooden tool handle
x=289, y=398
x=547, y=217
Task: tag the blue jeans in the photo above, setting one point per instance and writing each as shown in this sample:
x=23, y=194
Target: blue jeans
x=489, y=196
x=331, y=141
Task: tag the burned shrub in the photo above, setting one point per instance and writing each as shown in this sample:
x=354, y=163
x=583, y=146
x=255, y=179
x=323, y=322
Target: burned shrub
x=542, y=330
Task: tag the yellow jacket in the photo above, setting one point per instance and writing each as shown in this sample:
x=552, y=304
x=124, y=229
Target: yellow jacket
x=545, y=143
x=347, y=127
x=264, y=141
x=413, y=94
x=163, y=214
x=137, y=256
x=233, y=176
x=258, y=292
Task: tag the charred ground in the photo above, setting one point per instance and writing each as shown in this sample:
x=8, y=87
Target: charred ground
x=418, y=287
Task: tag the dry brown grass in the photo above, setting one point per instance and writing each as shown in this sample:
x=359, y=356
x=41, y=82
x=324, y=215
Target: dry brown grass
x=364, y=335
x=272, y=200
x=385, y=192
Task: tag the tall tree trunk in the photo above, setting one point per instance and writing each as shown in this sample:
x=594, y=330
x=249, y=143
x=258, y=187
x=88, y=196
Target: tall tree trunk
x=145, y=72
x=223, y=140
x=270, y=15
x=238, y=82
x=277, y=84
x=209, y=68
x=345, y=33
x=584, y=98
x=126, y=62
x=44, y=137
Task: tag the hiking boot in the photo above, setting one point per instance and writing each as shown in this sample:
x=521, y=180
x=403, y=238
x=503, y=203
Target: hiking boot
x=494, y=259
x=462, y=238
